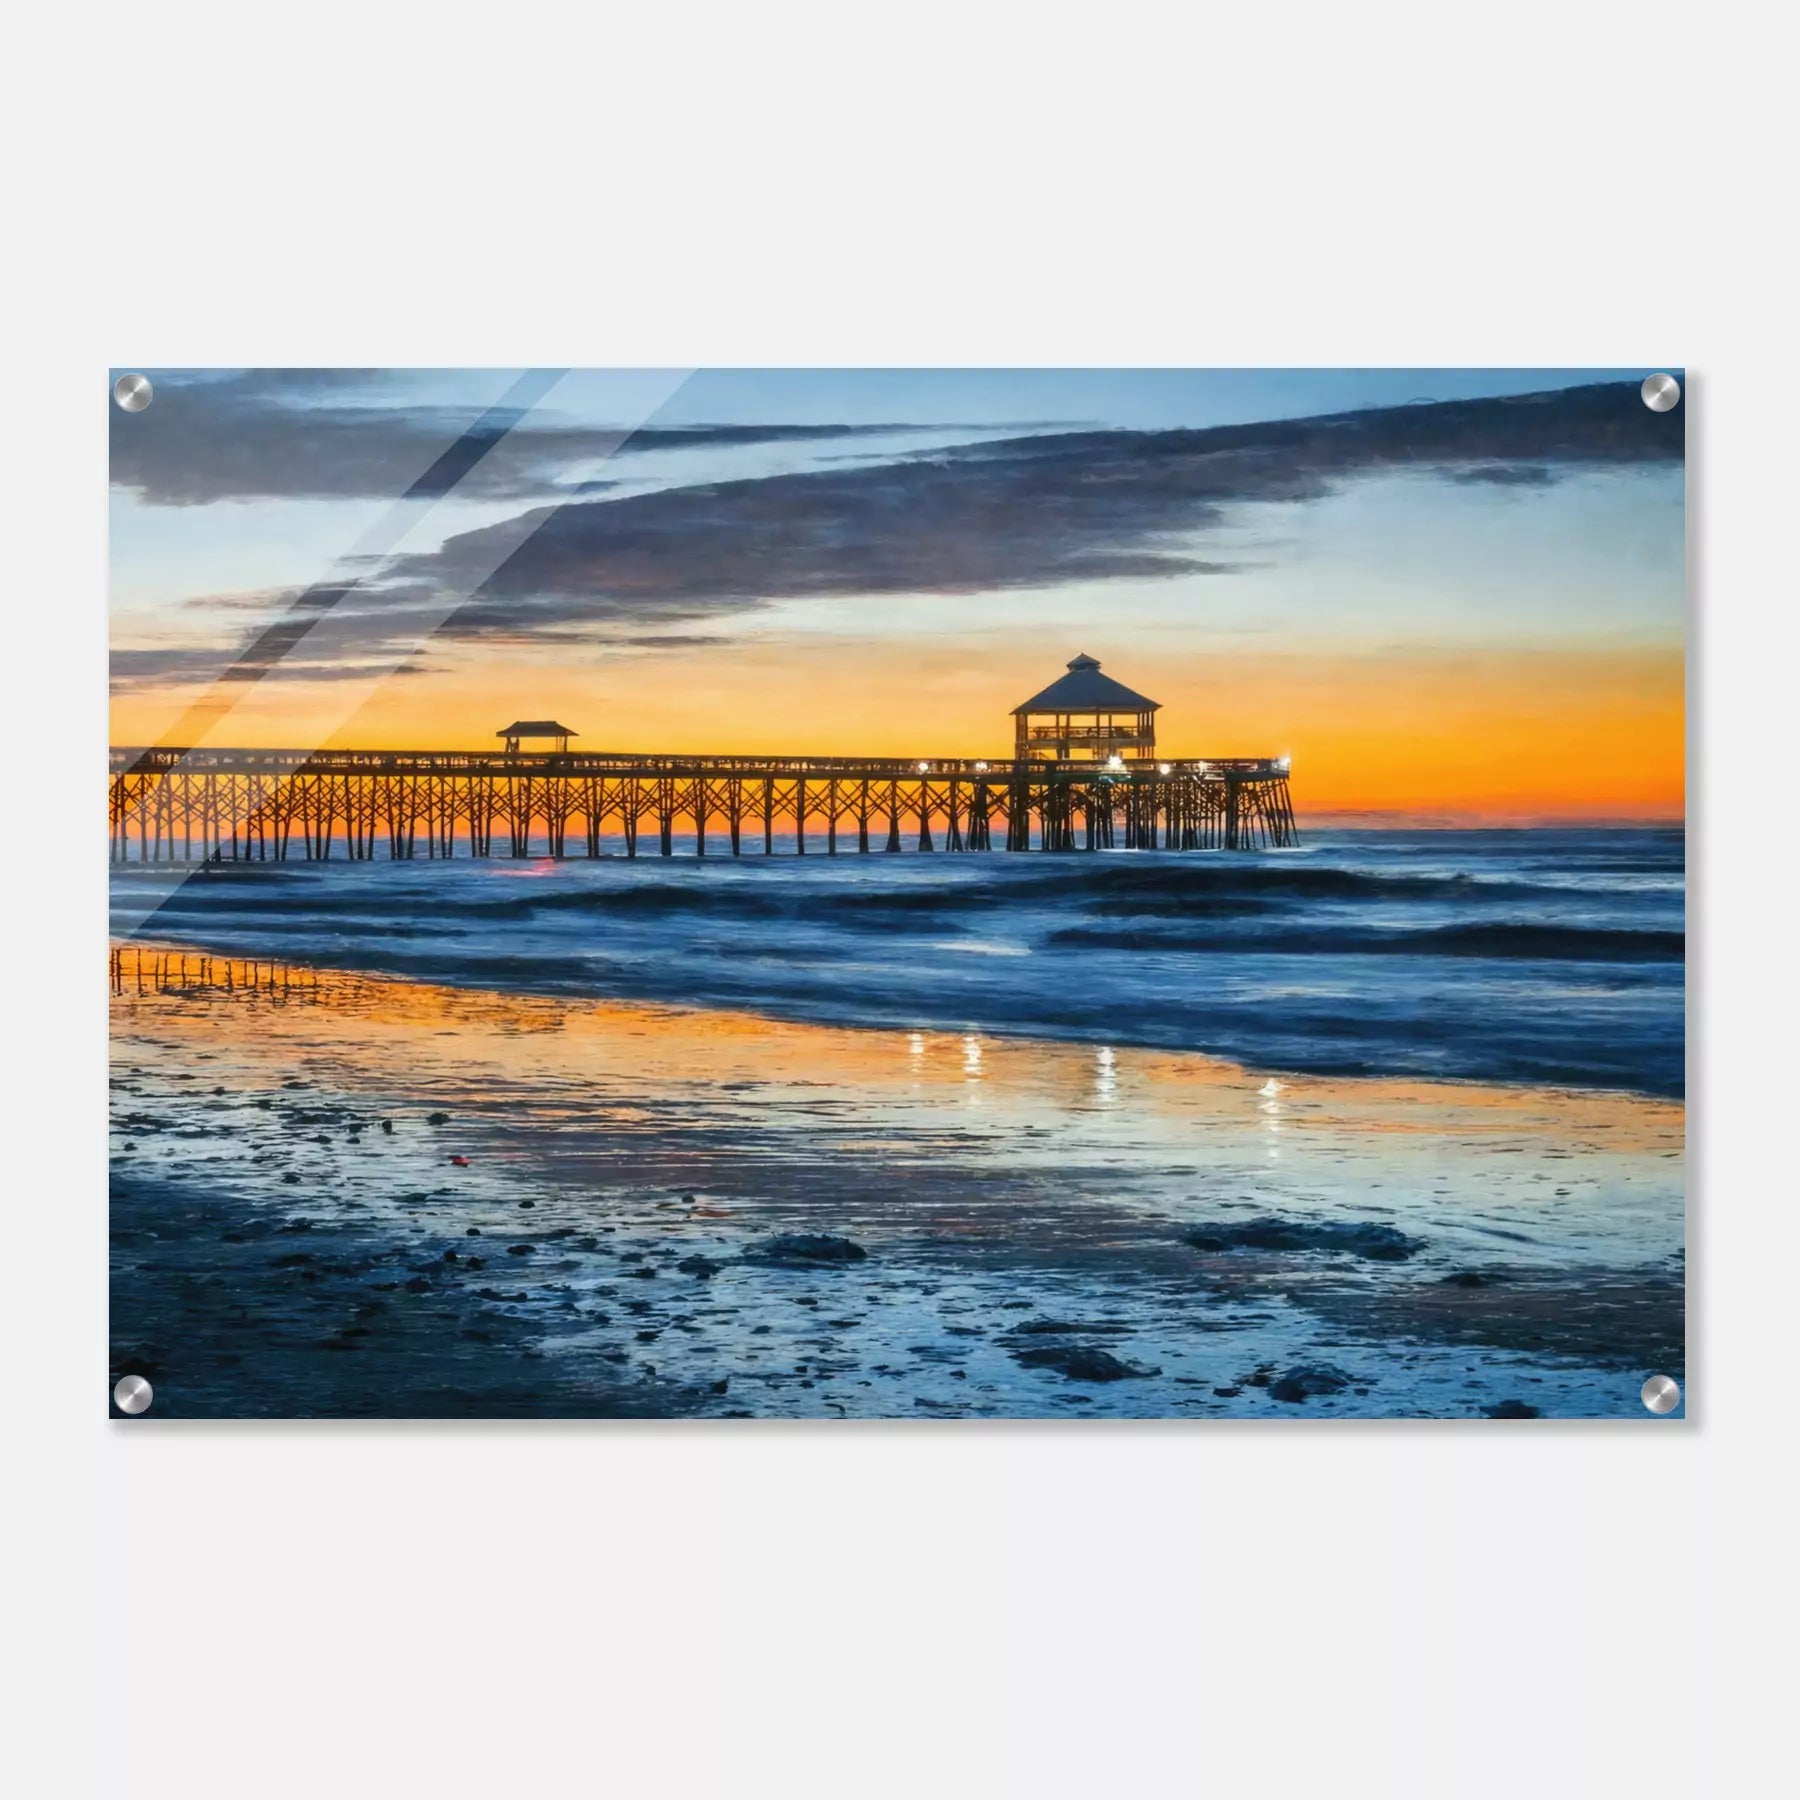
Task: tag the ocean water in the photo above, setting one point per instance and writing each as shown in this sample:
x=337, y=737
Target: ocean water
x=1551, y=957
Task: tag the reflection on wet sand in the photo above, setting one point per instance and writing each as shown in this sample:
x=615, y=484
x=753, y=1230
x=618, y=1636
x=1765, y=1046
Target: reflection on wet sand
x=991, y=1181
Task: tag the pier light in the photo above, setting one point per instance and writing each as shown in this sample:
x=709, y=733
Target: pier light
x=1284, y=763
x=1165, y=768
x=981, y=768
x=1115, y=761
x=924, y=768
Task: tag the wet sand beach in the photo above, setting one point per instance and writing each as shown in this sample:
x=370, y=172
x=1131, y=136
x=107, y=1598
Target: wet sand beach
x=339, y=1194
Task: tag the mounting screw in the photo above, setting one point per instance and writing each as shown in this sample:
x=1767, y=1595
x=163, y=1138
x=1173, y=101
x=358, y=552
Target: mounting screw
x=133, y=1394
x=1661, y=1395
x=1661, y=393
x=133, y=392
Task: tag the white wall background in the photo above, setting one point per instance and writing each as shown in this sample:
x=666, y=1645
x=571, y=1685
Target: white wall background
x=1448, y=1611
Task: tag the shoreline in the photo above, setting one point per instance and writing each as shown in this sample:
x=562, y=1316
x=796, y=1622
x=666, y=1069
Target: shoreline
x=1020, y=1235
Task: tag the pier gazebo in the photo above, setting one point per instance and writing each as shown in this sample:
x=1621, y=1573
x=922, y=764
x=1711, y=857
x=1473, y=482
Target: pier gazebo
x=536, y=728
x=1085, y=716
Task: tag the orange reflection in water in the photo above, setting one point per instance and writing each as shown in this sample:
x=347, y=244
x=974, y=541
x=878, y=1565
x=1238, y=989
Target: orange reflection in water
x=473, y=1042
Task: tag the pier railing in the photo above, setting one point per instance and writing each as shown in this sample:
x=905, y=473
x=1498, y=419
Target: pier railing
x=605, y=762
x=1078, y=734
x=215, y=805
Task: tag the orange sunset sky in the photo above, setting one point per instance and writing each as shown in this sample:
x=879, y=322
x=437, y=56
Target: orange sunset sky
x=1454, y=596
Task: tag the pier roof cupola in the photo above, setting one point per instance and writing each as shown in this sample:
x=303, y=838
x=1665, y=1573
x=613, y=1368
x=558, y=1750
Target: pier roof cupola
x=1085, y=716
x=536, y=728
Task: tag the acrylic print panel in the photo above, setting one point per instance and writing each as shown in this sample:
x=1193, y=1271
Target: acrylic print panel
x=922, y=894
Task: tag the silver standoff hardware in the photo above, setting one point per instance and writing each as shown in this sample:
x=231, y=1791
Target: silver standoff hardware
x=133, y=1394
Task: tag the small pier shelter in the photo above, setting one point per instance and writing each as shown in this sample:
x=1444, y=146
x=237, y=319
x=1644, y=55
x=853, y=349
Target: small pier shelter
x=521, y=729
x=1085, y=716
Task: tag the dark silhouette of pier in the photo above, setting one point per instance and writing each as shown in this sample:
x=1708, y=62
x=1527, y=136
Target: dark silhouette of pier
x=1085, y=774
x=174, y=805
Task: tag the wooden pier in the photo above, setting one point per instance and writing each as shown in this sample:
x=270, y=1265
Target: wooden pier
x=213, y=805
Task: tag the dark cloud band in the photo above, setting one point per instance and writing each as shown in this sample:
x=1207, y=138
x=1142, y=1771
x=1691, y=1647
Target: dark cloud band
x=1032, y=511
x=316, y=434
x=1037, y=511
